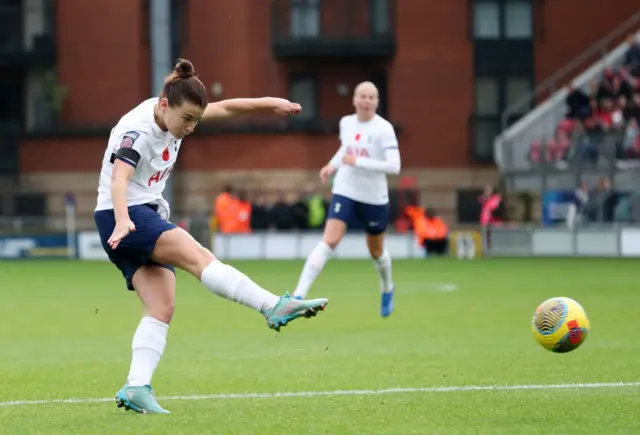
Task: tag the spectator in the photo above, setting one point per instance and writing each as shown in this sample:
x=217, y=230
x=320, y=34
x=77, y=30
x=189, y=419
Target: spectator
x=634, y=207
x=632, y=108
x=631, y=141
x=281, y=216
x=586, y=148
x=436, y=236
x=632, y=56
x=609, y=116
x=259, y=214
x=593, y=90
x=430, y=230
x=578, y=104
x=582, y=196
x=243, y=215
x=490, y=202
x=300, y=212
x=630, y=134
x=621, y=86
x=225, y=210
x=577, y=207
x=604, y=201
x=317, y=208
x=606, y=86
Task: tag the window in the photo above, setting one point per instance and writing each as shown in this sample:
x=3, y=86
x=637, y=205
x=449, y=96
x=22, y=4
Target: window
x=305, y=18
x=179, y=29
x=496, y=19
x=10, y=28
x=11, y=86
x=380, y=17
x=487, y=96
x=380, y=80
x=303, y=90
x=518, y=21
x=516, y=89
x=485, y=134
x=486, y=20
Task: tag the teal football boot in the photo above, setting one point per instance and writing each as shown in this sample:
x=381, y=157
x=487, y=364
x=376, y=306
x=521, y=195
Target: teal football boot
x=288, y=309
x=139, y=399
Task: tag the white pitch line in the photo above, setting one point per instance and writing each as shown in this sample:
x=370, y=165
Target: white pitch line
x=340, y=393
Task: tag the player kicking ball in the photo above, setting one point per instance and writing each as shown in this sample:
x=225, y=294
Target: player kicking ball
x=368, y=152
x=132, y=220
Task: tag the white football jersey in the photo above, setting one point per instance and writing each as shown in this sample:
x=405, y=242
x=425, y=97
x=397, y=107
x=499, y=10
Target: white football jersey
x=368, y=141
x=138, y=131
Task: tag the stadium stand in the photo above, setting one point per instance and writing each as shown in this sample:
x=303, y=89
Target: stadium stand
x=582, y=138
x=591, y=119
x=601, y=122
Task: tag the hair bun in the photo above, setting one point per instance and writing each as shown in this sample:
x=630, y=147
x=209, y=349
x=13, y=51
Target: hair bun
x=184, y=69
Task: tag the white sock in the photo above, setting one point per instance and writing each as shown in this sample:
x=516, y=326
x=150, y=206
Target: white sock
x=147, y=346
x=383, y=265
x=230, y=283
x=312, y=268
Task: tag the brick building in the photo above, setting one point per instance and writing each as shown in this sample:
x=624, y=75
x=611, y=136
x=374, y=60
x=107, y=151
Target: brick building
x=446, y=71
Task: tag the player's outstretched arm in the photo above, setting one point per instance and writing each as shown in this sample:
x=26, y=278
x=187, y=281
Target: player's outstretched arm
x=238, y=106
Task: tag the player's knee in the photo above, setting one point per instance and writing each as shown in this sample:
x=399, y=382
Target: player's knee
x=333, y=234
x=182, y=251
x=332, y=242
x=205, y=258
x=376, y=252
x=196, y=260
x=162, y=311
x=375, y=243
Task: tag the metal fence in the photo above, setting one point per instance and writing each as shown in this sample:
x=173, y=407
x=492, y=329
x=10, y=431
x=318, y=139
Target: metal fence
x=589, y=241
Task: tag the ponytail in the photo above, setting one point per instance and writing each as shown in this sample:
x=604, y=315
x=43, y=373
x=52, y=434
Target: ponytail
x=183, y=85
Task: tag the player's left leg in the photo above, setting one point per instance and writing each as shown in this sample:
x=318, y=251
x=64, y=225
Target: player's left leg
x=382, y=261
x=375, y=218
x=155, y=286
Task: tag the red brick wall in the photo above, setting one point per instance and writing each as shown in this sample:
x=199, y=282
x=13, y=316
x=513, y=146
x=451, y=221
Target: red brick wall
x=430, y=80
x=102, y=58
x=571, y=26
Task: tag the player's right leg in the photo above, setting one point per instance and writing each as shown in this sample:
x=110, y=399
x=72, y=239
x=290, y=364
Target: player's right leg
x=340, y=212
x=155, y=286
x=178, y=248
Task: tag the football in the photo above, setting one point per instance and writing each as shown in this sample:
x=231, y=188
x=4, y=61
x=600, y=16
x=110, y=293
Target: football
x=560, y=324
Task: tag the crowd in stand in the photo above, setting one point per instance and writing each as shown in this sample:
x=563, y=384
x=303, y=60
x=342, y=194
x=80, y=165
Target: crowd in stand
x=602, y=123
x=235, y=213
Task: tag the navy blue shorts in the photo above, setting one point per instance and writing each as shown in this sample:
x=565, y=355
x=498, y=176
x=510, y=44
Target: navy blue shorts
x=358, y=215
x=134, y=251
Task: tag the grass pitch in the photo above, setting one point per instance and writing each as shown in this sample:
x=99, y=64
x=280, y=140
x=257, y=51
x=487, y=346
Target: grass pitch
x=439, y=365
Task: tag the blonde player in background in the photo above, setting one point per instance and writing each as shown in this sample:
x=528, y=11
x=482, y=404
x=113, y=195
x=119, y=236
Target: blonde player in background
x=368, y=152
x=132, y=220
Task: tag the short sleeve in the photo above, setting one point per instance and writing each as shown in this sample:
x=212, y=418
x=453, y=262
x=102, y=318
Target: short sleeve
x=131, y=146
